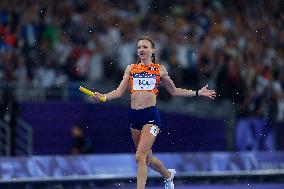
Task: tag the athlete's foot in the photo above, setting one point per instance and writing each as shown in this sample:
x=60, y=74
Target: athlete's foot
x=169, y=182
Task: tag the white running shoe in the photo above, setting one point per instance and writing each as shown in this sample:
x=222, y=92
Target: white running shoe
x=169, y=182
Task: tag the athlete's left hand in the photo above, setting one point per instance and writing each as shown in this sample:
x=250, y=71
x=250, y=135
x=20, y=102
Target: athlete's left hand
x=207, y=93
x=99, y=97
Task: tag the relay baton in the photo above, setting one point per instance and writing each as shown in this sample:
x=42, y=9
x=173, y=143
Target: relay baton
x=90, y=93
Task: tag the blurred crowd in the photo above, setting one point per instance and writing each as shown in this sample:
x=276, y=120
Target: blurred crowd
x=237, y=47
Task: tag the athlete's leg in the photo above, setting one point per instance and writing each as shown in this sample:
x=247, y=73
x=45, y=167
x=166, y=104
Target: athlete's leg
x=135, y=133
x=153, y=162
x=145, y=144
x=157, y=165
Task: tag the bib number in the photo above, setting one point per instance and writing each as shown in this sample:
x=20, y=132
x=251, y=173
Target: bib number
x=154, y=131
x=144, y=83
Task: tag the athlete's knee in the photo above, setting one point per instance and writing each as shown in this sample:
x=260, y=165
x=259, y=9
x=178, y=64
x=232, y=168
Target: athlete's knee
x=149, y=160
x=141, y=157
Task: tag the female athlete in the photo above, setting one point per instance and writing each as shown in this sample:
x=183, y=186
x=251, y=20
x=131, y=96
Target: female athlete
x=143, y=79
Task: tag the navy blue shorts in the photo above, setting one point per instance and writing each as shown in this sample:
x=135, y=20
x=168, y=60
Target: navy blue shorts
x=141, y=117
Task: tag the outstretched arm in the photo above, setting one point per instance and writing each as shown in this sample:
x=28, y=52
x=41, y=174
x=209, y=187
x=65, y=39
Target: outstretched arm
x=174, y=91
x=117, y=93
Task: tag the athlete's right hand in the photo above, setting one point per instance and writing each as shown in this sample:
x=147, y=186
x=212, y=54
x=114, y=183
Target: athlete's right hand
x=99, y=97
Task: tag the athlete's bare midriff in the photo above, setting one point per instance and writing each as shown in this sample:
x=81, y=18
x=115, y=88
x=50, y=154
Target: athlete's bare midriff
x=141, y=100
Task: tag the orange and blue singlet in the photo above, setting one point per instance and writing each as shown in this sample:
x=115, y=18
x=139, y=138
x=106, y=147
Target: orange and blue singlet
x=145, y=78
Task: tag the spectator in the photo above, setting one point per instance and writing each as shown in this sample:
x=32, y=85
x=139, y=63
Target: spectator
x=81, y=144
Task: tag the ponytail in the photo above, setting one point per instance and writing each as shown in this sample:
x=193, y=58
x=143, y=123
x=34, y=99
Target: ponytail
x=153, y=58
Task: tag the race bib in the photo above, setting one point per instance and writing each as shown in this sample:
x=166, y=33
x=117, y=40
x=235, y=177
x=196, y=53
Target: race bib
x=143, y=83
x=154, y=131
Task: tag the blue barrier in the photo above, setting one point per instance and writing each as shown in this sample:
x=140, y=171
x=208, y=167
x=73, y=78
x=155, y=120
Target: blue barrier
x=107, y=126
x=123, y=166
